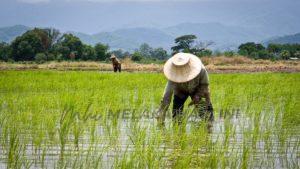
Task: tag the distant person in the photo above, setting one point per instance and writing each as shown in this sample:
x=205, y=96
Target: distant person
x=116, y=63
x=187, y=77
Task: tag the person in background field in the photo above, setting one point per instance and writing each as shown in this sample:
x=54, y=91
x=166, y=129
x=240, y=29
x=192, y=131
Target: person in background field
x=116, y=63
x=187, y=77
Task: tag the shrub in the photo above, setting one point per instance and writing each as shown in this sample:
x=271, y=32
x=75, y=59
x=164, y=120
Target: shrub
x=50, y=56
x=243, y=52
x=40, y=57
x=229, y=53
x=205, y=52
x=136, y=56
x=297, y=54
x=59, y=57
x=264, y=54
x=285, y=54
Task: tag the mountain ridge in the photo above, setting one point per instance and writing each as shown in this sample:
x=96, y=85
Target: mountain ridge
x=224, y=37
x=290, y=39
x=8, y=33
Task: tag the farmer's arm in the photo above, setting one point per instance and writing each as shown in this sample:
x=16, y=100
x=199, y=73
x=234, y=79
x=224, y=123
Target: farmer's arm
x=203, y=90
x=164, y=105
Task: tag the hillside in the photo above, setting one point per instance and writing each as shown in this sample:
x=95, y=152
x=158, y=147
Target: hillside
x=7, y=34
x=291, y=39
x=129, y=39
x=224, y=37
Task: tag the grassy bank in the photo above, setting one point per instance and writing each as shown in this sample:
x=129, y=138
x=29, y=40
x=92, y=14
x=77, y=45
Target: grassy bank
x=213, y=64
x=99, y=120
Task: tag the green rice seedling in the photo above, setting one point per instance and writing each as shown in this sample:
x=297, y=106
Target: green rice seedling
x=89, y=119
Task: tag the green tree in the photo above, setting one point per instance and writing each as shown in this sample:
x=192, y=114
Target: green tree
x=205, y=52
x=146, y=50
x=297, y=54
x=5, y=51
x=101, y=51
x=70, y=47
x=25, y=47
x=184, y=43
x=40, y=57
x=229, y=53
x=274, y=48
x=250, y=49
x=159, y=53
x=285, y=54
x=89, y=53
x=264, y=54
x=136, y=56
x=120, y=53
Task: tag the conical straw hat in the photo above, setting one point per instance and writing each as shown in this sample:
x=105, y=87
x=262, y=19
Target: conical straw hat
x=113, y=56
x=182, y=67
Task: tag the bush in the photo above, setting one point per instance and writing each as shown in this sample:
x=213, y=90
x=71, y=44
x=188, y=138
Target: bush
x=5, y=51
x=297, y=54
x=243, y=52
x=205, y=52
x=253, y=55
x=264, y=54
x=40, y=57
x=285, y=54
x=50, y=56
x=229, y=53
x=136, y=56
x=59, y=57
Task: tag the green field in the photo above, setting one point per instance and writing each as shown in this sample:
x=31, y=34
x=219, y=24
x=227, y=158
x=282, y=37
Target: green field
x=56, y=119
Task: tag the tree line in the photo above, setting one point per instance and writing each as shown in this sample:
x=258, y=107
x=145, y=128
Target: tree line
x=189, y=44
x=49, y=44
x=272, y=51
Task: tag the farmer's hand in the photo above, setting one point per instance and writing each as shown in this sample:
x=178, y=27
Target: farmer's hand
x=210, y=108
x=195, y=100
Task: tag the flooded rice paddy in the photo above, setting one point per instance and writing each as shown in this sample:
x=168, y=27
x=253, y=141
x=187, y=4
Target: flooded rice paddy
x=54, y=119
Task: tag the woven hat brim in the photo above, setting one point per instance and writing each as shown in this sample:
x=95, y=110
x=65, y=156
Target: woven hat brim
x=184, y=73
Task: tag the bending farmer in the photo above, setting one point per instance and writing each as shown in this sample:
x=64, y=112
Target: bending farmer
x=116, y=63
x=186, y=76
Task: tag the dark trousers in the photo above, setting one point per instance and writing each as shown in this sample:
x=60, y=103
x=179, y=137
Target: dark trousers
x=178, y=104
x=117, y=68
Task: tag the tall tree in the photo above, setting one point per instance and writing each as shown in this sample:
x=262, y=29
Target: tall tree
x=88, y=53
x=5, y=51
x=145, y=50
x=101, y=51
x=70, y=46
x=159, y=53
x=184, y=43
x=250, y=48
x=25, y=47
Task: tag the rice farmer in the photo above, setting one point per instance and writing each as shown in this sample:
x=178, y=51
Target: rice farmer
x=187, y=77
x=116, y=63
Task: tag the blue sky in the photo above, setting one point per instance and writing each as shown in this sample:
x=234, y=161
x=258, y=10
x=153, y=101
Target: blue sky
x=91, y=16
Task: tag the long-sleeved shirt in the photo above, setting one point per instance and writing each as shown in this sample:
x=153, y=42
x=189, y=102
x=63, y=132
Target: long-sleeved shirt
x=198, y=86
x=115, y=62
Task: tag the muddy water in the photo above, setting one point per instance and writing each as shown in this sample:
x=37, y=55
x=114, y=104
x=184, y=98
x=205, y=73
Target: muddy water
x=114, y=142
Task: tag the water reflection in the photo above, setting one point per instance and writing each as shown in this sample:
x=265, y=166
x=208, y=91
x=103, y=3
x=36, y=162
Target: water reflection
x=232, y=132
